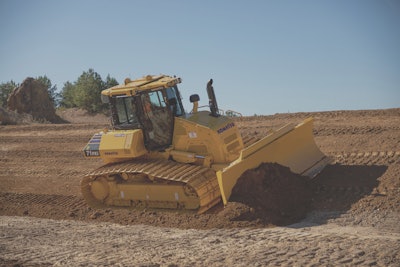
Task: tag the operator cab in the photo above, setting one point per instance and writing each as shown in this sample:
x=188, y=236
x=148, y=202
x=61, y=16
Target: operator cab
x=153, y=111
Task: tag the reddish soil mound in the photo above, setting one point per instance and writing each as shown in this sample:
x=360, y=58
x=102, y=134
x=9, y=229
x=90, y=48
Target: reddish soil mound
x=31, y=97
x=274, y=194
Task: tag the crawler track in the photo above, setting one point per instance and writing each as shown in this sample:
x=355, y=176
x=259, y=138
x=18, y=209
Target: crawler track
x=154, y=176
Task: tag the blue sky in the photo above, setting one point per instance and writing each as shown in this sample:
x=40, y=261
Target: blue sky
x=265, y=57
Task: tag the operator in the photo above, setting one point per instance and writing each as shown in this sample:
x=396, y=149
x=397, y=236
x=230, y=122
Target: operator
x=146, y=104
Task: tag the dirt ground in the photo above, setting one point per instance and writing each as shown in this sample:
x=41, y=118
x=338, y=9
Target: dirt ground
x=352, y=217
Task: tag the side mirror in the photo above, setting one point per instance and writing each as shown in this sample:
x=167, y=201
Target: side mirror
x=194, y=98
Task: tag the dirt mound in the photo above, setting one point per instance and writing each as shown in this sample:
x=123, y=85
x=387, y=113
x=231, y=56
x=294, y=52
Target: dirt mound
x=31, y=97
x=273, y=194
x=8, y=117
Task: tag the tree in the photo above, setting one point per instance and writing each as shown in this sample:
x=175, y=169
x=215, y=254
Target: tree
x=5, y=91
x=85, y=92
x=52, y=90
x=67, y=96
x=88, y=88
x=110, y=82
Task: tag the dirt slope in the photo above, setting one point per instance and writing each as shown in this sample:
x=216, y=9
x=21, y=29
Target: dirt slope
x=41, y=166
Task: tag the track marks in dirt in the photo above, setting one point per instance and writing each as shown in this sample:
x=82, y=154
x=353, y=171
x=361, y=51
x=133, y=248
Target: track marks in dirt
x=367, y=158
x=53, y=200
x=81, y=244
x=352, y=130
x=43, y=206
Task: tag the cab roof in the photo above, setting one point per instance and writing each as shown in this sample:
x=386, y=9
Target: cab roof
x=149, y=82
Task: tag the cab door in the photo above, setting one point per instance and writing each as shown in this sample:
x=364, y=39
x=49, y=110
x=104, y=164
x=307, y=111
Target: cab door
x=157, y=120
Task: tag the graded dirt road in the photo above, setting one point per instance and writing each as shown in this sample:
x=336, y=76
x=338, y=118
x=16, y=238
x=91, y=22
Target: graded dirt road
x=353, y=218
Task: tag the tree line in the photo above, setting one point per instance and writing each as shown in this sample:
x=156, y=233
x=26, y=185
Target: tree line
x=83, y=93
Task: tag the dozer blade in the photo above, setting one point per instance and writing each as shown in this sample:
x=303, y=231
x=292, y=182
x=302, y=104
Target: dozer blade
x=291, y=146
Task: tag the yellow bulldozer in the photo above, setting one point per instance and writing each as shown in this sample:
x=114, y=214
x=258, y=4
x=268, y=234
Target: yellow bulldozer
x=157, y=156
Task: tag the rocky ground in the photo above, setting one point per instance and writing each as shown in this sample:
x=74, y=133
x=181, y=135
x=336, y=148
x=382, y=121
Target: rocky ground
x=352, y=217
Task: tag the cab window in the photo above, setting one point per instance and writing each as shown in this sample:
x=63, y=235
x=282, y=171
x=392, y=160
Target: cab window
x=157, y=99
x=174, y=97
x=125, y=110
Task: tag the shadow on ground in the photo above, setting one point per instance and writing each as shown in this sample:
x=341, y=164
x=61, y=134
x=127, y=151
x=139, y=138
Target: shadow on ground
x=338, y=187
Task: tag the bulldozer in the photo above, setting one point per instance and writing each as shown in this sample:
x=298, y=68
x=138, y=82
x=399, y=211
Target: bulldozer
x=157, y=156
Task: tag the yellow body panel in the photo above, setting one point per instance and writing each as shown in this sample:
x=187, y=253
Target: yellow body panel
x=291, y=146
x=216, y=138
x=113, y=146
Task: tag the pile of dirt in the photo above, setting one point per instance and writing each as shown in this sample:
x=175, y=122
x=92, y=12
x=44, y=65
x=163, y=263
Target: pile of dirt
x=8, y=117
x=31, y=97
x=273, y=194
